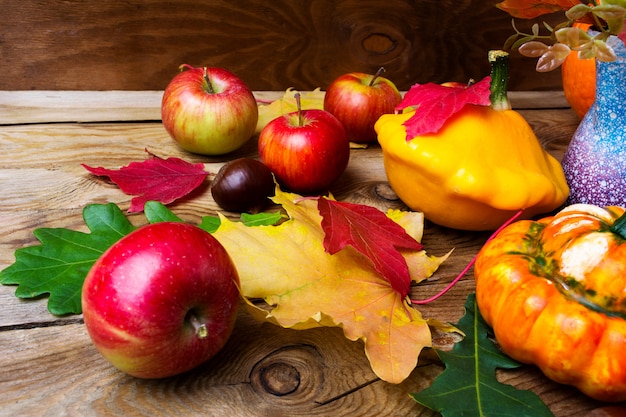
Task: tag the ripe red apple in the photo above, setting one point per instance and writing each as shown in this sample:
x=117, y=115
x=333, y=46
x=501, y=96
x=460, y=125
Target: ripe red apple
x=209, y=111
x=357, y=100
x=307, y=150
x=161, y=300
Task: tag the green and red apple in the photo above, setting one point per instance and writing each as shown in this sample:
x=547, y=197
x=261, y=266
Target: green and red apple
x=209, y=111
x=357, y=100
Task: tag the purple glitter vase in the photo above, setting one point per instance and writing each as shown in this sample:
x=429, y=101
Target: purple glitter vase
x=595, y=161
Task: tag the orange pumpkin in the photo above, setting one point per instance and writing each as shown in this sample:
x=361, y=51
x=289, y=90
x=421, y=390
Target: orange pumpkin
x=579, y=80
x=554, y=292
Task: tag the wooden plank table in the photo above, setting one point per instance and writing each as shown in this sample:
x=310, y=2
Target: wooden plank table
x=48, y=364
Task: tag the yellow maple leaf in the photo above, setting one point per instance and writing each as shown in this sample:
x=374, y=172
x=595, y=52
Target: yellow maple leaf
x=287, y=104
x=287, y=266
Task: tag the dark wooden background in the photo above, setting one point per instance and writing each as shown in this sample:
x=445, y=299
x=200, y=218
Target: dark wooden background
x=271, y=44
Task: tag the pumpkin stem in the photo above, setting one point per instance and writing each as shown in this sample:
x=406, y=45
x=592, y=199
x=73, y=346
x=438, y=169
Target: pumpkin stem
x=499, y=61
x=619, y=226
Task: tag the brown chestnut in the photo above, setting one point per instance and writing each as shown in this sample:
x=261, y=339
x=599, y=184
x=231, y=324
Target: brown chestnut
x=243, y=185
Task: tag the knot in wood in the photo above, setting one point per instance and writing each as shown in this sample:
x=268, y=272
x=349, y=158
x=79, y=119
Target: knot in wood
x=384, y=191
x=289, y=375
x=379, y=43
x=280, y=379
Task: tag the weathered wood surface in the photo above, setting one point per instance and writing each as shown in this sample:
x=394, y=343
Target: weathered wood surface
x=18, y=107
x=49, y=366
x=272, y=45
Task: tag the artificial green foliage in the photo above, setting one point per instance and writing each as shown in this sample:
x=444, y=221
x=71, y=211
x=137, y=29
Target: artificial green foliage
x=468, y=386
x=59, y=265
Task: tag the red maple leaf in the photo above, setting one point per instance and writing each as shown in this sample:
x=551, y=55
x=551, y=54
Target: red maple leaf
x=372, y=234
x=436, y=103
x=156, y=179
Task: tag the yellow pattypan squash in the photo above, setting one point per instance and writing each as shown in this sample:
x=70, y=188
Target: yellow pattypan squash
x=483, y=165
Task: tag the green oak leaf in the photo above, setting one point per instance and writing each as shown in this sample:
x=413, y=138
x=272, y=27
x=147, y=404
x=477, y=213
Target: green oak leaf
x=468, y=386
x=156, y=212
x=59, y=265
x=210, y=223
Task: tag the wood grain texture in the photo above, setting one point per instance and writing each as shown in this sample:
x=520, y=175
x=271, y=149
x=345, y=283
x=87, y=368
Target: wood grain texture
x=139, y=44
x=57, y=372
x=19, y=107
x=50, y=367
x=335, y=381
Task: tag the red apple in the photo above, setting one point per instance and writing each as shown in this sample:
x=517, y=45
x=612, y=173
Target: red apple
x=357, y=100
x=209, y=111
x=307, y=150
x=161, y=300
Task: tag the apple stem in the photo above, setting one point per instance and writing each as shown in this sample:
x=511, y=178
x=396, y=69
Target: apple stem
x=378, y=74
x=200, y=328
x=209, y=86
x=299, y=107
x=184, y=67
